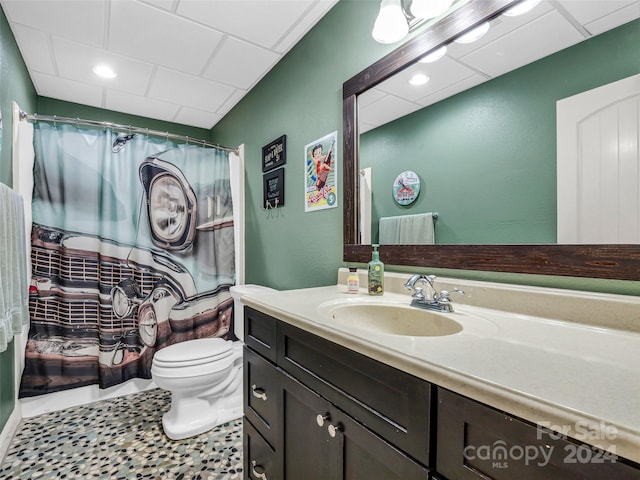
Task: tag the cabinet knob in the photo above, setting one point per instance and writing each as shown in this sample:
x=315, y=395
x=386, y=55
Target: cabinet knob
x=258, y=393
x=320, y=419
x=257, y=471
x=334, y=429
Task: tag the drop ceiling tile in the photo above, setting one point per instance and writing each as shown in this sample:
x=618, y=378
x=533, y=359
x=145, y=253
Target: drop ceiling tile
x=67, y=90
x=240, y=63
x=76, y=62
x=235, y=97
x=499, y=26
x=452, y=89
x=80, y=21
x=615, y=19
x=162, y=37
x=592, y=10
x=176, y=87
x=34, y=47
x=369, y=96
x=386, y=109
x=524, y=45
x=440, y=73
x=263, y=22
x=197, y=118
x=142, y=106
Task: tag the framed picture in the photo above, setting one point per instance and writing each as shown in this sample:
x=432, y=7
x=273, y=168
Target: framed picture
x=321, y=173
x=274, y=154
x=273, y=189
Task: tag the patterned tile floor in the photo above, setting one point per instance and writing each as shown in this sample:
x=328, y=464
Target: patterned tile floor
x=120, y=438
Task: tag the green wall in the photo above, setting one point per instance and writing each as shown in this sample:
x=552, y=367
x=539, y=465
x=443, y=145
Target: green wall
x=15, y=85
x=494, y=146
x=300, y=97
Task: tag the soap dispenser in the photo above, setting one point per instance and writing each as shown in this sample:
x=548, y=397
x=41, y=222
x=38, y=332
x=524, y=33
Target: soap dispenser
x=376, y=273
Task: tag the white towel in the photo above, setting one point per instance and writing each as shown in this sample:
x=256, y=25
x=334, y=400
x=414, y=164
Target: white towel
x=14, y=287
x=407, y=230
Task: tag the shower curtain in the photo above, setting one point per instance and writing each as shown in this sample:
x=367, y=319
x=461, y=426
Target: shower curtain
x=132, y=250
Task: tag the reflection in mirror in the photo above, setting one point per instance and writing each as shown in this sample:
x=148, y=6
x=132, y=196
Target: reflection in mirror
x=481, y=132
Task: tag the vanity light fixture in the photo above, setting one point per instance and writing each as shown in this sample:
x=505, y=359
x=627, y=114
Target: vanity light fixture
x=474, y=34
x=419, y=79
x=104, y=71
x=435, y=55
x=521, y=8
x=429, y=8
x=391, y=24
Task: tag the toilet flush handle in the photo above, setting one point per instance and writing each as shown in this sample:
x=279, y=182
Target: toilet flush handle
x=259, y=393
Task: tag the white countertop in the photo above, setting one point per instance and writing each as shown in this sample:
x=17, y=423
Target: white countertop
x=580, y=379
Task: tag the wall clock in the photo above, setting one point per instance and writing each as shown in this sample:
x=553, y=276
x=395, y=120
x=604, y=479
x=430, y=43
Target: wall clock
x=406, y=187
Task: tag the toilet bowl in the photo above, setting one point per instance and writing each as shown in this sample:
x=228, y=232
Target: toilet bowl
x=204, y=377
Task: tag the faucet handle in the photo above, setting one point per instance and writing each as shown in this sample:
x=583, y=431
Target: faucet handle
x=418, y=295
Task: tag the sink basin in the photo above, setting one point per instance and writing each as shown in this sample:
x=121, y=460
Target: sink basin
x=387, y=318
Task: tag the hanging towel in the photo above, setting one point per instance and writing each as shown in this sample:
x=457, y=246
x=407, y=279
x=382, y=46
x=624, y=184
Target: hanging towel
x=407, y=230
x=14, y=287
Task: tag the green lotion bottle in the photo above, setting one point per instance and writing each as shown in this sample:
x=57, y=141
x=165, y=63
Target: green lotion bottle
x=376, y=273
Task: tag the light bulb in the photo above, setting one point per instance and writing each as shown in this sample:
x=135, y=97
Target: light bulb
x=435, y=55
x=391, y=24
x=429, y=8
x=473, y=35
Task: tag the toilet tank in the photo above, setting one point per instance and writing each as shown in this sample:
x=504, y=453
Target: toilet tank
x=237, y=291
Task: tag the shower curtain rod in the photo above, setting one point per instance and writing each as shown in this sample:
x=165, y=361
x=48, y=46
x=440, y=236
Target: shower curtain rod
x=126, y=128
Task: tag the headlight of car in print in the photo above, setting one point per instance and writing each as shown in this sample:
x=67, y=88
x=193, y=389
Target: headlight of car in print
x=153, y=314
x=171, y=204
x=124, y=297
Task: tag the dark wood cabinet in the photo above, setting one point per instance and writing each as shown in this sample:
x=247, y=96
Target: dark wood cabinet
x=317, y=410
x=299, y=425
x=475, y=441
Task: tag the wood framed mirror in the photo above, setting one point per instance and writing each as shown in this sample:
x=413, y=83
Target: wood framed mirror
x=610, y=261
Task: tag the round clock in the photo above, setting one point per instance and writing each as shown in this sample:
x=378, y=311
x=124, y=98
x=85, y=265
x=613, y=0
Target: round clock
x=406, y=187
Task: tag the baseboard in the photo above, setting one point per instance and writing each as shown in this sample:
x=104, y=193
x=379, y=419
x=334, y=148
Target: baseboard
x=8, y=432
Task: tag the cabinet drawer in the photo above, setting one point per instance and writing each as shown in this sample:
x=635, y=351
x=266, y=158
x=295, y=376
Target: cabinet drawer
x=475, y=441
x=260, y=460
x=261, y=394
x=391, y=403
x=260, y=333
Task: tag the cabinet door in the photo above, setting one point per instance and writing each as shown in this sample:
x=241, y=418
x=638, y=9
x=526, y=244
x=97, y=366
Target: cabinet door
x=367, y=456
x=261, y=395
x=475, y=441
x=306, y=448
x=260, y=460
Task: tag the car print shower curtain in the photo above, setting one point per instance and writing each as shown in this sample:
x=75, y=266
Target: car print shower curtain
x=132, y=250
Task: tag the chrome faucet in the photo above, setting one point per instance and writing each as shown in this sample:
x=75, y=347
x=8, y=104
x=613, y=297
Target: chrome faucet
x=439, y=301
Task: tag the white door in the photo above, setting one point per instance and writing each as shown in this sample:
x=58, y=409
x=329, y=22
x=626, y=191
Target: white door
x=598, y=164
x=365, y=206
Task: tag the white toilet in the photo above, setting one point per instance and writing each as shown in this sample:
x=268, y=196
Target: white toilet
x=204, y=377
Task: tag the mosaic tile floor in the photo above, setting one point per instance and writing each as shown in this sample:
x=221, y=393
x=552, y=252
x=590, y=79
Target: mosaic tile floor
x=120, y=438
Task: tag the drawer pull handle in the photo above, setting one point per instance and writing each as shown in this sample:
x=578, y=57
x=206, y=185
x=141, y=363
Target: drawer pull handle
x=257, y=471
x=333, y=430
x=258, y=393
x=320, y=419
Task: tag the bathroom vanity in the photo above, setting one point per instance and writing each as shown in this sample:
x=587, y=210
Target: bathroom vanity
x=331, y=399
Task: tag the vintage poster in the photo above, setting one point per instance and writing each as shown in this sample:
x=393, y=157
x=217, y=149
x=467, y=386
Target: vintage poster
x=321, y=173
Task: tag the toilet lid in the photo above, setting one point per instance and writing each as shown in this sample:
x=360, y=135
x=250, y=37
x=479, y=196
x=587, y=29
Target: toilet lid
x=193, y=352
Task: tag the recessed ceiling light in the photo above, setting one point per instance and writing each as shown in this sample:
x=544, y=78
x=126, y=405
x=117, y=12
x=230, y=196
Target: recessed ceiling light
x=473, y=35
x=104, y=71
x=419, y=79
x=435, y=55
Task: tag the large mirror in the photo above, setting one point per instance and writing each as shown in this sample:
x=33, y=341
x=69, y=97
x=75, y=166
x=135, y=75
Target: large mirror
x=520, y=247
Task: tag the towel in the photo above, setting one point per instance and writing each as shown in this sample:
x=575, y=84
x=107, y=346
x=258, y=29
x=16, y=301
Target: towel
x=14, y=287
x=407, y=230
